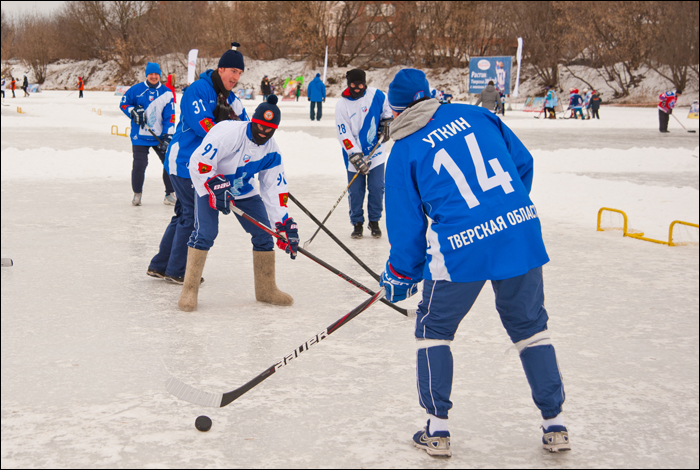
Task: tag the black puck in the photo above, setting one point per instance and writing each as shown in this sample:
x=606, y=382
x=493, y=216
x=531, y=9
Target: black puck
x=202, y=423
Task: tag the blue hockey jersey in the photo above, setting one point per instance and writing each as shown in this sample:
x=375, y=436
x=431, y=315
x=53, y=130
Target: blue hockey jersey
x=160, y=112
x=457, y=199
x=357, y=121
x=196, y=120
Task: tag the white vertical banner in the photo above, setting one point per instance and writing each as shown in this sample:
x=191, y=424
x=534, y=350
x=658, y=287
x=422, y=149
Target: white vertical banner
x=519, y=57
x=325, y=66
x=191, y=64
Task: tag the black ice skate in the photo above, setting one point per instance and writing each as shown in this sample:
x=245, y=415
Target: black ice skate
x=375, y=230
x=179, y=279
x=357, y=233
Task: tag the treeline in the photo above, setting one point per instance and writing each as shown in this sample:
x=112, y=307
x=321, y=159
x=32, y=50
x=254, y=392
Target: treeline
x=622, y=40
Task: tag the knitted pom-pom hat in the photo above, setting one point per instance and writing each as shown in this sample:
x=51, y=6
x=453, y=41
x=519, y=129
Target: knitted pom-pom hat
x=232, y=59
x=268, y=114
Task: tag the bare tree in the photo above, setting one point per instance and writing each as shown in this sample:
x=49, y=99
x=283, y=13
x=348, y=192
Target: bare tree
x=35, y=40
x=540, y=26
x=674, y=41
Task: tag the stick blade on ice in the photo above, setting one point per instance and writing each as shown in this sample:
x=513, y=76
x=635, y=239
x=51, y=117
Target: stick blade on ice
x=190, y=394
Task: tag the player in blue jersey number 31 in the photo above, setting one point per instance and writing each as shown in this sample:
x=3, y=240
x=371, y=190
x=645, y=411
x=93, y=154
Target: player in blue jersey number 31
x=458, y=214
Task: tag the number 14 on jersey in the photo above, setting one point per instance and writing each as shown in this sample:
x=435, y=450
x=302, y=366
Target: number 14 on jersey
x=500, y=178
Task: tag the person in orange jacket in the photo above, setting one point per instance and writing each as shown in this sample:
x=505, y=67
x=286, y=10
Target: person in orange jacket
x=81, y=86
x=13, y=85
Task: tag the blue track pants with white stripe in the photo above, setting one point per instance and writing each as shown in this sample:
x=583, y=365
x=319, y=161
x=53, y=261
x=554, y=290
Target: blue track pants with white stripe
x=520, y=304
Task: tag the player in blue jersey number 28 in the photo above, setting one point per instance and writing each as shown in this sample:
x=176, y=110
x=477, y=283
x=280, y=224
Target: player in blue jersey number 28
x=458, y=214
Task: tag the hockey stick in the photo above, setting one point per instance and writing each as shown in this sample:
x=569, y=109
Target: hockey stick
x=154, y=135
x=219, y=400
x=402, y=311
x=308, y=242
x=334, y=238
x=679, y=122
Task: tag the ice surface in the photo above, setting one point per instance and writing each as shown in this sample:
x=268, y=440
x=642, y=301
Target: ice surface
x=88, y=340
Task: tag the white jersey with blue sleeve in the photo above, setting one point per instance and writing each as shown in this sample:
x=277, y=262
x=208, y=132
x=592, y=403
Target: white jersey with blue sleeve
x=457, y=200
x=228, y=149
x=357, y=122
x=196, y=120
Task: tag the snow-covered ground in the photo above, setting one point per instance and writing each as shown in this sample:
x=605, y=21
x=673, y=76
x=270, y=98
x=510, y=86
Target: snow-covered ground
x=88, y=340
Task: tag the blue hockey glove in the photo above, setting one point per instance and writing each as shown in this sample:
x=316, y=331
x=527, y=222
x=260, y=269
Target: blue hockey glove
x=289, y=230
x=397, y=287
x=164, y=142
x=219, y=189
x=138, y=115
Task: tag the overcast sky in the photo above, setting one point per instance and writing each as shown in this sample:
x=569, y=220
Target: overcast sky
x=13, y=8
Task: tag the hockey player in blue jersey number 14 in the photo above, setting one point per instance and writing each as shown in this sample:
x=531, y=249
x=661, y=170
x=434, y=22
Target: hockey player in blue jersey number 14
x=361, y=115
x=221, y=169
x=459, y=214
x=206, y=102
x=150, y=107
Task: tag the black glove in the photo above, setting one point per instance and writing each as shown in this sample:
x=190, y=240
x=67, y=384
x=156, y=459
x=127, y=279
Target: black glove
x=324, y=100
x=164, y=142
x=219, y=189
x=224, y=111
x=309, y=98
x=358, y=161
x=138, y=115
x=384, y=125
x=670, y=111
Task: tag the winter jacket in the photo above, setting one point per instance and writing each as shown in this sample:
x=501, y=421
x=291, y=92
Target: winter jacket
x=81, y=85
x=575, y=101
x=667, y=101
x=595, y=101
x=316, y=90
x=550, y=100
x=489, y=97
x=265, y=87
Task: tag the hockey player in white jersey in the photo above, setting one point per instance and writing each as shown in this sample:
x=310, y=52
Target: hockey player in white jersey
x=221, y=168
x=361, y=116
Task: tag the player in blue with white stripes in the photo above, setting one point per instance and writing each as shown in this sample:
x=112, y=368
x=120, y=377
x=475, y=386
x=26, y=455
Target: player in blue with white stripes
x=222, y=169
x=361, y=115
x=206, y=102
x=459, y=214
x=150, y=107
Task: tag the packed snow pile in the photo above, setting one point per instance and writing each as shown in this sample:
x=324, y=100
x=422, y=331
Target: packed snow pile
x=63, y=75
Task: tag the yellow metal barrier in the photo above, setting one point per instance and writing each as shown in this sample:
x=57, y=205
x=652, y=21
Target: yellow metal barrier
x=624, y=216
x=670, y=230
x=640, y=235
x=115, y=131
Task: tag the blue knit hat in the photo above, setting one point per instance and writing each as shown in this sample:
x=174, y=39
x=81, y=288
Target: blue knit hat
x=408, y=85
x=318, y=75
x=152, y=67
x=268, y=114
x=232, y=59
